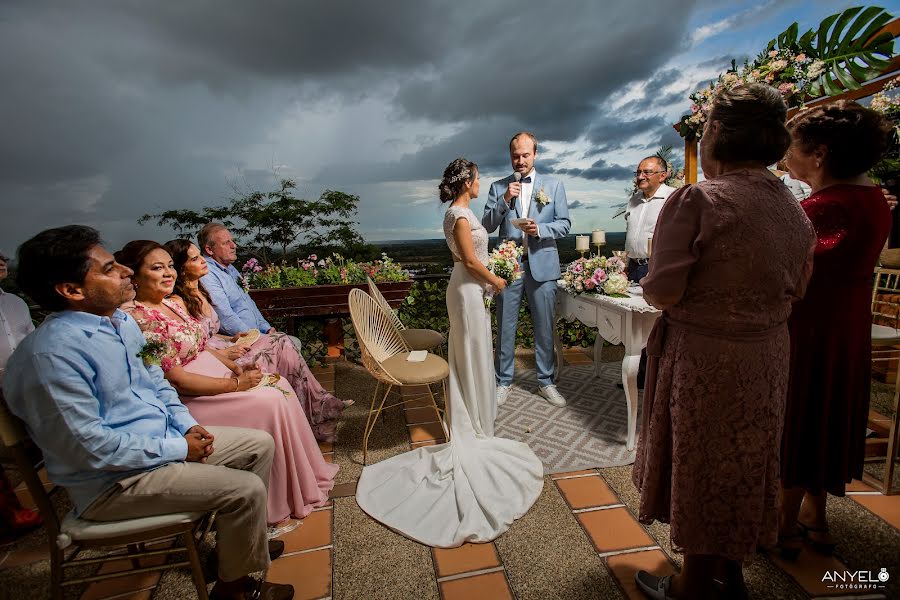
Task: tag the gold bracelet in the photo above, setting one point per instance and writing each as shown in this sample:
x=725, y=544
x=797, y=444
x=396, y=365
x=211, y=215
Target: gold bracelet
x=237, y=383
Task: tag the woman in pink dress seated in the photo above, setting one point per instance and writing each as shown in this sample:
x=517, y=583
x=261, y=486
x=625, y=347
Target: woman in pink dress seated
x=274, y=353
x=219, y=392
x=730, y=256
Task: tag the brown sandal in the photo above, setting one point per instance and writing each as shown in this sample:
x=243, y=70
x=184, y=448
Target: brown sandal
x=789, y=546
x=826, y=548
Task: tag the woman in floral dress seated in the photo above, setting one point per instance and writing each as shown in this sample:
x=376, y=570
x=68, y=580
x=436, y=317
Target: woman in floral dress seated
x=273, y=353
x=219, y=392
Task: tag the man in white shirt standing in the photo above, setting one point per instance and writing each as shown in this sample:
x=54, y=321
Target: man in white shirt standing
x=640, y=216
x=642, y=212
x=15, y=320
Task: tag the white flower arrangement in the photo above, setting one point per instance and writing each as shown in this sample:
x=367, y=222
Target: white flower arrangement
x=541, y=197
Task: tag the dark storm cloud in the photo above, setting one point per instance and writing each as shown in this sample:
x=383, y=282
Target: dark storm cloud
x=546, y=66
x=612, y=133
x=600, y=170
x=581, y=205
x=117, y=108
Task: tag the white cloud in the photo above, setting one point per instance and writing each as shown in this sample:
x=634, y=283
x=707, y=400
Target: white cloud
x=712, y=29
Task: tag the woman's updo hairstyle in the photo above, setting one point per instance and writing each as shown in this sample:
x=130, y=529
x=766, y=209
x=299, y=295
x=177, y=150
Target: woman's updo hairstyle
x=456, y=175
x=751, y=125
x=854, y=135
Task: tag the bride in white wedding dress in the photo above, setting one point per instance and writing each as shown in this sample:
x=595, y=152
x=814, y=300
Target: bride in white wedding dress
x=472, y=488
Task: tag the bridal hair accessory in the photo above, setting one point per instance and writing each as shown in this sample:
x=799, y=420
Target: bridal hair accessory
x=462, y=175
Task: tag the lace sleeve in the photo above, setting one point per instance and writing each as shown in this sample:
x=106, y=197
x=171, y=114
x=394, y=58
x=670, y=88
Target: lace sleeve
x=681, y=232
x=453, y=215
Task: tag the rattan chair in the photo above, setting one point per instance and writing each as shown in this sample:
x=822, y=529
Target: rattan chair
x=886, y=348
x=384, y=354
x=416, y=339
x=126, y=539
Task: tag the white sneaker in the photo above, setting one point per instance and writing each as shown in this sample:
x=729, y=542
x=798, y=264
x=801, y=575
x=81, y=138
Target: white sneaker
x=552, y=395
x=502, y=393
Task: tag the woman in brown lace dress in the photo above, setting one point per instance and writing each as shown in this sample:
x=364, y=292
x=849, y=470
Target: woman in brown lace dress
x=730, y=256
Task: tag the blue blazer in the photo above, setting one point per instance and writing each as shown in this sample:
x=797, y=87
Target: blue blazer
x=552, y=221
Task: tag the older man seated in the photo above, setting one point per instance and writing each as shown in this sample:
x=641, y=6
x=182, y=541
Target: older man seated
x=237, y=311
x=112, y=429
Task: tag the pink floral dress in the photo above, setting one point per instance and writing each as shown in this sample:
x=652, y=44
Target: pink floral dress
x=300, y=479
x=276, y=353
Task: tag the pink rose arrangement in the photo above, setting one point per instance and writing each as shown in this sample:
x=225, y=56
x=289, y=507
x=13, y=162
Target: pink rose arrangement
x=597, y=275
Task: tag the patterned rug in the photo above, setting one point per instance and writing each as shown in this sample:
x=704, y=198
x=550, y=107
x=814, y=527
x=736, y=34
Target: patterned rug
x=589, y=432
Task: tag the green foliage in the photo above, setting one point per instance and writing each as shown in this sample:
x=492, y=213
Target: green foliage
x=309, y=332
x=840, y=55
x=263, y=221
x=887, y=102
x=334, y=270
x=845, y=42
x=426, y=308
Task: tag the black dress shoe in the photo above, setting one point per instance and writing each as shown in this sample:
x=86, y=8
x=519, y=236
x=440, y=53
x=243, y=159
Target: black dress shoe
x=276, y=549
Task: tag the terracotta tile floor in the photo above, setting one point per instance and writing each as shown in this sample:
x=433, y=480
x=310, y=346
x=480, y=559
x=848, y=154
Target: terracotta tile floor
x=586, y=492
x=490, y=586
x=476, y=571
x=466, y=558
x=309, y=572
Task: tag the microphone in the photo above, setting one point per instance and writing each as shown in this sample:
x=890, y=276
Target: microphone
x=512, y=201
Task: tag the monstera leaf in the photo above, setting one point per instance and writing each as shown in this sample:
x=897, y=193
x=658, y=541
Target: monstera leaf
x=847, y=44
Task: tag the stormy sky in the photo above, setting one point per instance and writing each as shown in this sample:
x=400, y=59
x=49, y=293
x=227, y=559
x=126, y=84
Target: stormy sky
x=115, y=109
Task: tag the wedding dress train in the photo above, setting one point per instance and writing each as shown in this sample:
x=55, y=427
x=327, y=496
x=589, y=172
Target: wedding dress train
x=472, y=488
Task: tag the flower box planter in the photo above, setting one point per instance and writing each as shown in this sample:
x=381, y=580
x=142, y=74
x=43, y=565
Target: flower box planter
x=324, y=374
x=329, y=301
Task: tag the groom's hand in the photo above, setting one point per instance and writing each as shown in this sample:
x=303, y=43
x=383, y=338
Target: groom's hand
x=530, y=227
x=513, y=191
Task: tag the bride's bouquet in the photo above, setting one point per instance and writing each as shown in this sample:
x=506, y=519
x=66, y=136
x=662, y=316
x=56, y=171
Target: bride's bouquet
x=597, y=274
x=504, y=263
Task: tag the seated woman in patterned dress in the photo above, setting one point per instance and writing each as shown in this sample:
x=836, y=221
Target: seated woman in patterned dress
x=219, y=392
x=271, y=352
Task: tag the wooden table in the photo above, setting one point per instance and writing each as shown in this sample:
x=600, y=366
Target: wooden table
x=619, y=321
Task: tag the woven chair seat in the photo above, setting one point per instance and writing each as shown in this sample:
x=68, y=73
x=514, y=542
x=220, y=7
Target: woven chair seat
x=422, y=339
x=432, y=369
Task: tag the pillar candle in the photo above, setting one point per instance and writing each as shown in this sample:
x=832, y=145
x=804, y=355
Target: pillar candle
x=598, y=236
x=581, y=242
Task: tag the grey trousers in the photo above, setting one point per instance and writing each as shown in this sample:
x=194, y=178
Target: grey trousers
x=233, y=482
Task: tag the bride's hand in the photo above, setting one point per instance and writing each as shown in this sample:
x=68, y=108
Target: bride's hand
x=499, y=284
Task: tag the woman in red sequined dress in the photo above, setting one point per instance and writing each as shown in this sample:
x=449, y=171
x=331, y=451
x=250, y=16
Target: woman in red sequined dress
x=828, y=398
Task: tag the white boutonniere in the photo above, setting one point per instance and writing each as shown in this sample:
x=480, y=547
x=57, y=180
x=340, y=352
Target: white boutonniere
x=541, y=196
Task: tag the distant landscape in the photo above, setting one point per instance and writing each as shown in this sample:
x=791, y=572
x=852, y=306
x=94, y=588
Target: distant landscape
x=433, y=256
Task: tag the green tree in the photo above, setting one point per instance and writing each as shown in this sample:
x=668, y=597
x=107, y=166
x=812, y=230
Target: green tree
x=276, y=221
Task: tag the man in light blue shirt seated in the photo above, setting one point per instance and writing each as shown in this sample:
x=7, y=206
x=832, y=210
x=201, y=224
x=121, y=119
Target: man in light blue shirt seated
x=112, y=430
x=236, y=310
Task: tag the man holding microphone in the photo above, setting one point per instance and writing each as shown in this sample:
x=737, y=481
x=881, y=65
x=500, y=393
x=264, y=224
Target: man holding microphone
x=532, y=210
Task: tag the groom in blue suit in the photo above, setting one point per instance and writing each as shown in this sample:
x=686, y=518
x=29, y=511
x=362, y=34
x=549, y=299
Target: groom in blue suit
x=541, y=200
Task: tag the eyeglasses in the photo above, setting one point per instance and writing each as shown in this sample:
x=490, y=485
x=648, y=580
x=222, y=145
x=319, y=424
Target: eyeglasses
x=646, y=172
